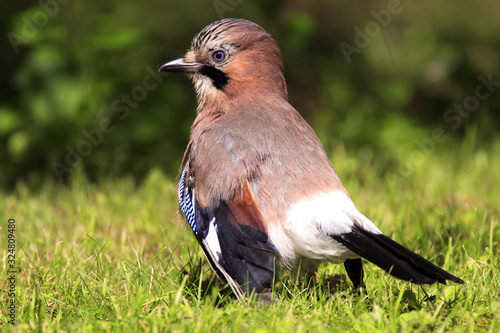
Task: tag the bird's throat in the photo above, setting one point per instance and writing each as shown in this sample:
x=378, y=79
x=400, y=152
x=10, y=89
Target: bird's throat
x=218, y=77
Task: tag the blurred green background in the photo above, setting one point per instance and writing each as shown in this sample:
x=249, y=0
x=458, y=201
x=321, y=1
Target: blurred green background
x=398, y=80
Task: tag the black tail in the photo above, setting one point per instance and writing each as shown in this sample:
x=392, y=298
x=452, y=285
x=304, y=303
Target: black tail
x=393, y=257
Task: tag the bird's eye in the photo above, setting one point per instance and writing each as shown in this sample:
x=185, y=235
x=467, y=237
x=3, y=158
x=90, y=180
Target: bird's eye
x=219, y=55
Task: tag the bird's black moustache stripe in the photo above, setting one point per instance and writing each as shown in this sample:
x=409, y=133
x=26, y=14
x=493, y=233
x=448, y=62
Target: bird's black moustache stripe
x=218, y=77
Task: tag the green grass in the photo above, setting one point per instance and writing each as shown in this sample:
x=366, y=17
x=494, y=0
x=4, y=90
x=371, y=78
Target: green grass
x=115, y=256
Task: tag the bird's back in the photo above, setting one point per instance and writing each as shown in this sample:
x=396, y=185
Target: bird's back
x=257, y=187
x=277, y=152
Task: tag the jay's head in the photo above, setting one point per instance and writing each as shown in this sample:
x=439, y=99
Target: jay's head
x=232, y=59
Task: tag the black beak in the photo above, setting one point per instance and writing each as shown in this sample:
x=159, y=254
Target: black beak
x=180, y=66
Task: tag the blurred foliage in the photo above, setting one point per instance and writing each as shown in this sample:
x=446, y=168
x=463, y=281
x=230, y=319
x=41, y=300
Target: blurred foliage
x=80, y=89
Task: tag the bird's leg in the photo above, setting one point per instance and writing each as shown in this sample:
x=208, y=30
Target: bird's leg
x=354, y=269
x=306, y=270
x=268, y=297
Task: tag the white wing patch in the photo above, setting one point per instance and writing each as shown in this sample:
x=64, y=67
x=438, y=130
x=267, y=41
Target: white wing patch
x=213, y=241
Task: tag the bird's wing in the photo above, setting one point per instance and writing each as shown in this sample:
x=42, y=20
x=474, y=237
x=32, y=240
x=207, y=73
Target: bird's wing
x=233, y=236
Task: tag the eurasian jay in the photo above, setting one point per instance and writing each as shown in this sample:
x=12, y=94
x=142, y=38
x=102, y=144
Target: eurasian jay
x=256, y=185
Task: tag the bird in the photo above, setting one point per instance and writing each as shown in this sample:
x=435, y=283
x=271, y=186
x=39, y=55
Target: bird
x=256, y=185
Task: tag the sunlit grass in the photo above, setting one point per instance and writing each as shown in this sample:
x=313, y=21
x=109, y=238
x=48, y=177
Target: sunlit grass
x=115, y=256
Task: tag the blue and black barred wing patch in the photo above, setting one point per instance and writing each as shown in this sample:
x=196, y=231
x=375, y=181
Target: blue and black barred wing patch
x=234, y=238
x=187, y=199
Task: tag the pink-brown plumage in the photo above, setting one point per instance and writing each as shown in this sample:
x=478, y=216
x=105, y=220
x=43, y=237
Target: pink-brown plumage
x=263, y=190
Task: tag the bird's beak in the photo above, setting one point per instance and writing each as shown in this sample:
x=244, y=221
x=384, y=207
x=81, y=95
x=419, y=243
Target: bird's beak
x=181, y=66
